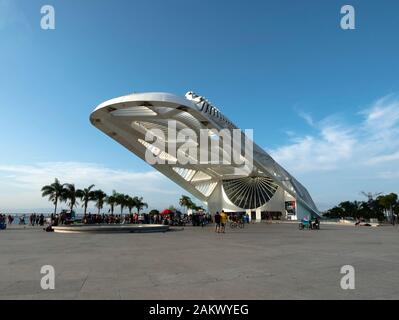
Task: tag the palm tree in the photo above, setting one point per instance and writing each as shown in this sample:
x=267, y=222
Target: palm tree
x=121, y=201
x=100, y=197
x=111, y=200
x=153, y=212
x=54, y=192
x=86, y=195
x=70, y=193
x=388, y=202
x=197, y=208
x=130, y=203
x=186, y=202
x=139, y=204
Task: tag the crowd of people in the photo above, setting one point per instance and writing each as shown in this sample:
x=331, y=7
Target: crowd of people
x=196, y=219
x=134, y=218
x=115, y=218
x=174, y=219
x=199, y=219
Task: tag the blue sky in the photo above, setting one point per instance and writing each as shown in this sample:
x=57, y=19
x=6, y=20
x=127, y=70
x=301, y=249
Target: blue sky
x=323, y=101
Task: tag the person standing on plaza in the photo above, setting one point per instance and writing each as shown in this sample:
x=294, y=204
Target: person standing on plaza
x=223, y=221
x=217, y=222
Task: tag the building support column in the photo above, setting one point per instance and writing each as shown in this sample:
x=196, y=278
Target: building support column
x=248, y=212
x=258, y=215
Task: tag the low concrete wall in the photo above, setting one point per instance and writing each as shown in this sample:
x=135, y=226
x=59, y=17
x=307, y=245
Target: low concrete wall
x=83, y=228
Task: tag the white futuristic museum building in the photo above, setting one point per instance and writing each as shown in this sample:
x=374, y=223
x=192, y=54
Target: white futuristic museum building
x=159, y=128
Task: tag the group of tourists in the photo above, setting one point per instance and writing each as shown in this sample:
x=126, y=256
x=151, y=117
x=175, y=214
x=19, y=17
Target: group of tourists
x=9, y=219
x=36, y=219
x=221, y=219
x=220, y=222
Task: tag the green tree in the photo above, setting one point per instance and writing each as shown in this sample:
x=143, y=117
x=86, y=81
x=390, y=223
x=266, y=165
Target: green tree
x=350, y=209
x=186, y=202
x=334, y=213
x=70, y=194
x=99, y=196
x=396, y=208
x=86, y=195
x=54, y=192
x=388, y=202
x=153, y=212
x=372, y=208
x=112, y=201
x=121, y=201
x=130, y=203
x=139, y=204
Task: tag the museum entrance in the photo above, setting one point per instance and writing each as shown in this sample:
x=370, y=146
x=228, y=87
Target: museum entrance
x=270, y=215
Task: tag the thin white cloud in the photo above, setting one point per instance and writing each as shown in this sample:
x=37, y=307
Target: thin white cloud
x=307, y=117
x=337, y=146
x=384, y=158
x=317, y=153
x=389, y=175
x=383, y=115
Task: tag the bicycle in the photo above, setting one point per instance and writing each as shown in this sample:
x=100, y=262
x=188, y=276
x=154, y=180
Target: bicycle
x=237, y=224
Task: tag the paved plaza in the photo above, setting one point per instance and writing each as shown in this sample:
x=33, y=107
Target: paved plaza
x=262, y=261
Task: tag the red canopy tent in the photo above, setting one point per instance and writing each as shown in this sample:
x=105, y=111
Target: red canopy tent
x=166, y=211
